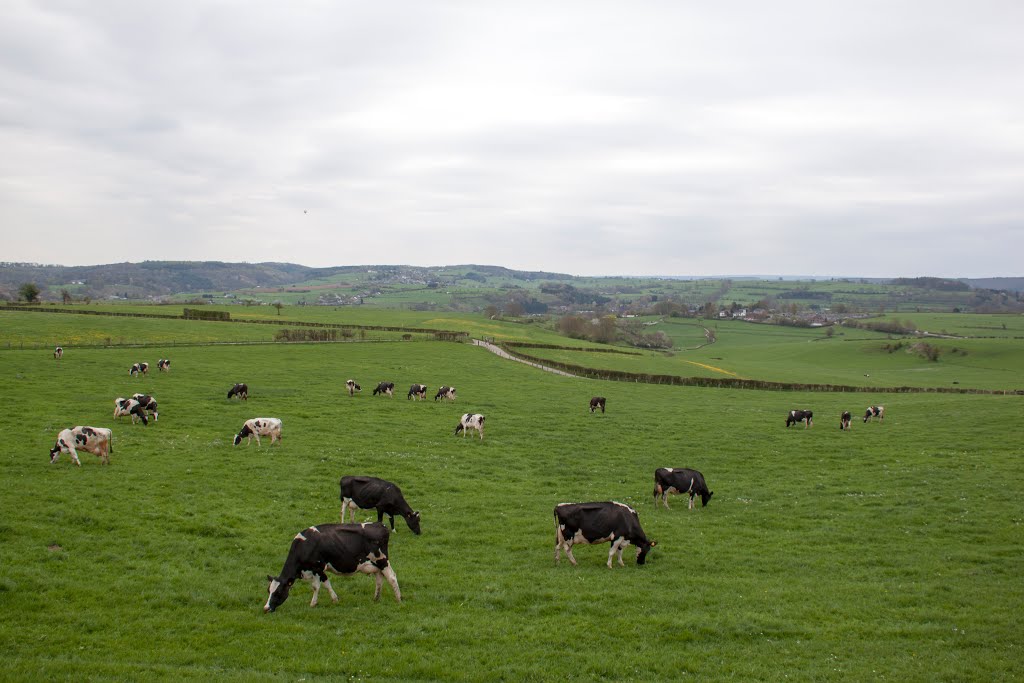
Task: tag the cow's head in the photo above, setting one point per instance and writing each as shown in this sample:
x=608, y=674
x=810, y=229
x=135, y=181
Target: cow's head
x=642, y=549
x=242, y=434
x=55, y=451
x=278, y=591
x=704, y=498
x=414, y=522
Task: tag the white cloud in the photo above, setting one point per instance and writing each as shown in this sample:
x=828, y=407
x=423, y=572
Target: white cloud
x=664, y=138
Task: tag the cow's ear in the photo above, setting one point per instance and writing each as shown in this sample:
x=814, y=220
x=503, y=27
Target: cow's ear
x=654, y=543
x=416, y=514
x=270, y=578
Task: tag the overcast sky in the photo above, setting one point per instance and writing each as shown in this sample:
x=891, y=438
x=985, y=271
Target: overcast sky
x=627, y=138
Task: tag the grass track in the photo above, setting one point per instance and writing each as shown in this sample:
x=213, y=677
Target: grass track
x=890, y=552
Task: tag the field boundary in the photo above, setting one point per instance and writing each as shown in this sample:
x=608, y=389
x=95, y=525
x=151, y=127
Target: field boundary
x=568, y=369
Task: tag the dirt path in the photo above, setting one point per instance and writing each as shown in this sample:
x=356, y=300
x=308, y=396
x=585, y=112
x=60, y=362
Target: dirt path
x=496, y=350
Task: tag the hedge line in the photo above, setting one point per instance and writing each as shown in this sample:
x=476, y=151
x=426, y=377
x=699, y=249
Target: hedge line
x=734, y=383
x=439, y=335
x=533, y=345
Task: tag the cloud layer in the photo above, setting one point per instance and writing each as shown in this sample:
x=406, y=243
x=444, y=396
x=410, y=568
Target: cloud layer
x=868, y=138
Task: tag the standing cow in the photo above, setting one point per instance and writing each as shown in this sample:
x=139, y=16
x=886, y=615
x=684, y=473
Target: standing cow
x=371, y=492
x=589, y=523
x=874, y=411
x=680, y=480
x=352, y=387
x=844, y=420
x=805, y=416
x=96, y=440
x=471, y=421
x=597, y=402
x=385, y=388
x=131, y=408
x=240, y=390
x=139, y=369
x=58, y=353
x=417, y=392
x=148, y=403
x=335, y=548
x=257, y=427
x=447, y=393
x=163, y=365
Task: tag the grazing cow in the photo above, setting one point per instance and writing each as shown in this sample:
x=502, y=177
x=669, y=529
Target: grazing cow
x=148, y=403
x=805, y=416
x=95, y=440
x=371, y=492
x=139, y=369
x=588, y=523
x=58, y=353
x=874, y=411
x=844, y=420
x=335, y=548
x=680, y=480
x=445, y=393
x=385, y=388
x=597, y=402
x=257, y=427
x=471, y=421
x=163, y=365
x=417, y=392
x=352, y=387
x=131, y=408
x=240, y=390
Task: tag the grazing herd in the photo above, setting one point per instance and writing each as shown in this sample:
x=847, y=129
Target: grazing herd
x=349, y=548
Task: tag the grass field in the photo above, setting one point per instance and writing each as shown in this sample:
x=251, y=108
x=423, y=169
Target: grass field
x=890, y=552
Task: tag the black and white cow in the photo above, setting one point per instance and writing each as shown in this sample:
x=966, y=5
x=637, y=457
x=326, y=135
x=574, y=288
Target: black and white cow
x=805, y=416
x=352, y=387
x=385, y=388
x=163, y=365
x=257, y=427
x=58, y=353
x=874, y=411
x=588, y=523
x=445, y=393
x=371, y=492
x=96, y=440
x=335, y=548
x=240, y=390
x=148, y=403
x=844, y=420
x=471, y=421
x=680, y=480
x=139, y=369
x=131, y=408
x=417, y=392
x=597, y=402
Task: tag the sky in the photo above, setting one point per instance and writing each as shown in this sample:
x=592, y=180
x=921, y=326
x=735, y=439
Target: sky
x=868, y=138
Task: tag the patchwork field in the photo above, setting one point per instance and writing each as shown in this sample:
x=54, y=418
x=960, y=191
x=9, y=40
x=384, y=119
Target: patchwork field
x=890, y=552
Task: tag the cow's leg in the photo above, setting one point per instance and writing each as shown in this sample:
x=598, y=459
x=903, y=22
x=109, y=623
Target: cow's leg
x=389, y=574
x=611, y=553
x=74, y=457
x=691, y=500
x=379, y=580
x=559, y=541
x=330, y=589
x=314, y=583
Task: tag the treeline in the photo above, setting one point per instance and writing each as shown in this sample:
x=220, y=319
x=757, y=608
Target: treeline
x=608, y=329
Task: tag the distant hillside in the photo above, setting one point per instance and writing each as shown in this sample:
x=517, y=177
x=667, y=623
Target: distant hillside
x=1010, y=284
x=151, y=279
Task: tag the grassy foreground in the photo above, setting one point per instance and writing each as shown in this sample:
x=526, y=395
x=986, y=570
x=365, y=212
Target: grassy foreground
x=891, y=552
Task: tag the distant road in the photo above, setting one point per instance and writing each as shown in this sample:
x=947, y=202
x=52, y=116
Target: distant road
x=497, y=350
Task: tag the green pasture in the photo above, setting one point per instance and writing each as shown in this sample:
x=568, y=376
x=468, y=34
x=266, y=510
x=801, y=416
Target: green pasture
x=889, y=552
x=800, y=355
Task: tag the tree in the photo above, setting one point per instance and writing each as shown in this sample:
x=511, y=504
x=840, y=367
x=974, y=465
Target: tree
x=278, y=305
x=29, y=292
x=491, y=311
x=65, y=296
